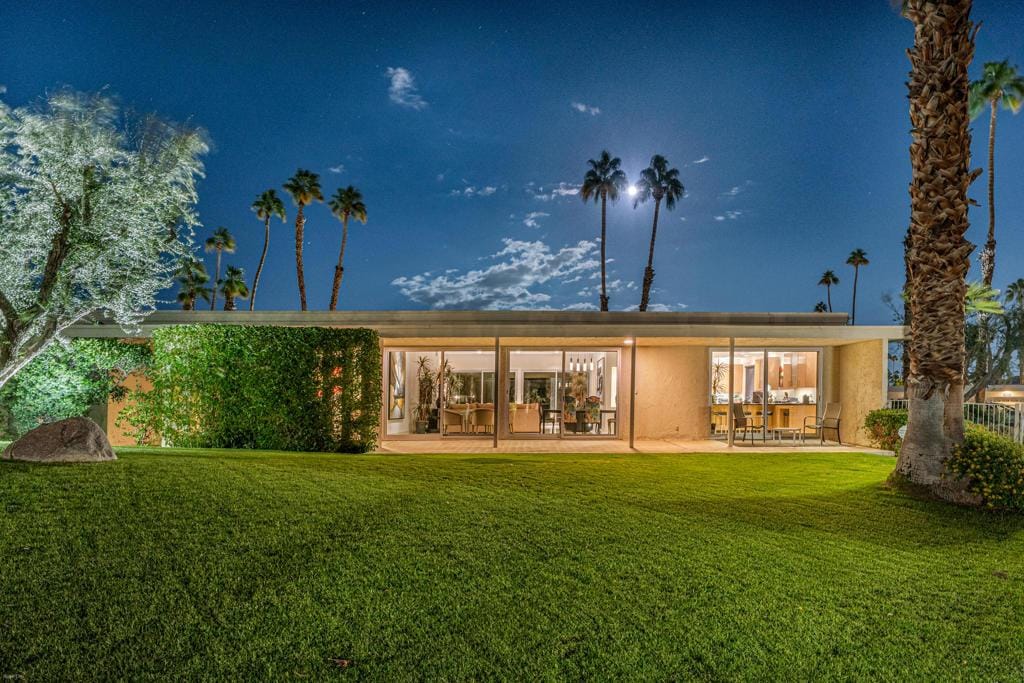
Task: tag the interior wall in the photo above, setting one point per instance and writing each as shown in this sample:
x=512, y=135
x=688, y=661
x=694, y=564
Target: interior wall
x=861, y=387
x=672, y=392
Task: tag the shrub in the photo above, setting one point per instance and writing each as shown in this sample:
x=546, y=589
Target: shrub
x=67, y=379
x=993, y=466
x=275, y=388
x=883, y=427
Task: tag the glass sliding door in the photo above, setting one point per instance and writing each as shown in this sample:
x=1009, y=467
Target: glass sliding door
x=468, y=392
x=411, y=401
x=534, y=382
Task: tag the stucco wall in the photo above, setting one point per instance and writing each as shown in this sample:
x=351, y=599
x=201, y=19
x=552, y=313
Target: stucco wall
x=672, y=392
x=862, y=385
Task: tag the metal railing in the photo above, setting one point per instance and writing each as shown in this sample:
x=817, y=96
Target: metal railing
x=1006, y=419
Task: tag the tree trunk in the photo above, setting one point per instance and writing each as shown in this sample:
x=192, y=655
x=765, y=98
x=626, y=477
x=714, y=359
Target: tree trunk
x=213, y=298
x=300, y=224
x=259, y=268
x=938, y=253
x=645, y=296
x=229, y=303
x=604, y=239
x=828, y=295
x=339, y=270
x=988, y=254
x=853, y=307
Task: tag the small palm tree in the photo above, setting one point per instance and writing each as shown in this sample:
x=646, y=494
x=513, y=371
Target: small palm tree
x=233, y=287
x=266, y=206
x=192, y=278
x=821, y=307
x=857, y=258
x=604, y=181
x=999, y=84
x=1015, y=296
x=828, y=279
x=304, y=188
x=346, y=203
x=658, y=182
x=220, y=241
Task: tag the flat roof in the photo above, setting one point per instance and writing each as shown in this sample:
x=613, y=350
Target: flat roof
x=830, y=328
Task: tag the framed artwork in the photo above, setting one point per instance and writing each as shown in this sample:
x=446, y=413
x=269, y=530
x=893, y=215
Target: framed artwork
x=396, y=385
x=600, y=377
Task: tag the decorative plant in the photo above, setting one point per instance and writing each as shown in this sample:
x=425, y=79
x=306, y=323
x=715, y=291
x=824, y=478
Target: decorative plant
x=427, y=388
x=718, y=378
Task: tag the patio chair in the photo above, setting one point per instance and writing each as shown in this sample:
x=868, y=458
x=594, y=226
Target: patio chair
x=829, y=420
x=481, y=420
x=744, y=424
x=452, y=421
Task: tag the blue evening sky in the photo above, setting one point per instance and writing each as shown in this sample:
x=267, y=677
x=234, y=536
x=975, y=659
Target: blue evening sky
x=467, y=127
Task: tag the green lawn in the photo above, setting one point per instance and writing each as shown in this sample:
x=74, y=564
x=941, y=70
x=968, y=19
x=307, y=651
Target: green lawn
x=197, y=564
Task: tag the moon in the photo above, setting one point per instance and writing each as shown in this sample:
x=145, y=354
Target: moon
x=631, y=190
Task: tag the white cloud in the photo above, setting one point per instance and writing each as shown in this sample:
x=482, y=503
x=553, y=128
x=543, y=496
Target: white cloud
x=729, y=216
x=703, y=160
x=585, y=108
x=732, y=191
x=340, y=168
x=474, y=191
x=532, y=219
x=658, y=308
x=514, y=279
x=546, y=193
x=402, y=89
x=580, y=306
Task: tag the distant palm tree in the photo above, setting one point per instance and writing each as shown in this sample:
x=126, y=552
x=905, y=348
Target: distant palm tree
x=266, y=206
x=233, y=287
x=346, y=203
x=821, y=307
x=857, y=258
x=221, y=241
x=304, y=187
x=1015, y=296
x=828, y=279
x=603, y=181
x=659, y=182
x=999, y=84
x=192, y=278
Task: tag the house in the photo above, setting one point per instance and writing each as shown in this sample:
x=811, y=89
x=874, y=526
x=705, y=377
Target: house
x=503, y=375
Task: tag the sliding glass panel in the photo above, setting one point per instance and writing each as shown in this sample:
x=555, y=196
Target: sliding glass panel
x=468, y=391
x=792, y=387
x=411, y=398
x=533, y=392
x=589, y=393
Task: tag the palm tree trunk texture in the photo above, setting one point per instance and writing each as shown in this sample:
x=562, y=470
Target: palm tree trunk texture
x=300, y=223
x=988, y=254
x=604, y=239
x=213, y=298
x=259, y=268
x=828, y=295
x=938, y=251
x=853, y=307
x=229, y=303
x=339, y=270
x=645, y=297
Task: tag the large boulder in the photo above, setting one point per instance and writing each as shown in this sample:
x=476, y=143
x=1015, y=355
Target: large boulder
x=76, y=439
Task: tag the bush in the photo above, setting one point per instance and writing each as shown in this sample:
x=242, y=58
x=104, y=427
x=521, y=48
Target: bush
x=274, y=388
x=67, y=379
x=883, y=428
x=993, y=466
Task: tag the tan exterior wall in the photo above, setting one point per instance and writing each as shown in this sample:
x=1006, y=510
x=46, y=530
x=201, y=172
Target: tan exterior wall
x=862, y=386
x=672, y=392
x=117, y=435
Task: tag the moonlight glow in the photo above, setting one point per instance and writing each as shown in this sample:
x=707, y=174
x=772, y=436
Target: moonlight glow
x=631, y=190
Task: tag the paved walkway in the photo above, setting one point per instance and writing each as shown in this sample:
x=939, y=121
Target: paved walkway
x=474, y=445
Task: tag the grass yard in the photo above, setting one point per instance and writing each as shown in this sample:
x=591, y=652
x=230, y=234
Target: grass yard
x=195, y=564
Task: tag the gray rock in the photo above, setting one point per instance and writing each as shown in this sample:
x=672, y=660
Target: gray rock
x=76, y=439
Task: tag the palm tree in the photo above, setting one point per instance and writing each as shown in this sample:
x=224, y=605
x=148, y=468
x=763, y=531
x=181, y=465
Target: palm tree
x=938, y=253
x=1015, y=295
x=821, y=307
x=192, y=278
x=266, y=206
x=603, y=181
x=828, y=279
x=857, y=258
x=233, y=287
x=304, y=187
x=659, y=182
x=346, y=203
x=999, y=84
x=220, y=241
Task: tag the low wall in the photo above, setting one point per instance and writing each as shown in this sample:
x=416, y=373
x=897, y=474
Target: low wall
x=862, y=386
x=672, y=392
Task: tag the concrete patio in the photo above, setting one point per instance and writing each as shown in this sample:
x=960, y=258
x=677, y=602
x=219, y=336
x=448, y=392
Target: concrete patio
x=473, y=445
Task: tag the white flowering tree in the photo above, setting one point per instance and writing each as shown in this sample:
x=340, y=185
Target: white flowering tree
x=96, y=209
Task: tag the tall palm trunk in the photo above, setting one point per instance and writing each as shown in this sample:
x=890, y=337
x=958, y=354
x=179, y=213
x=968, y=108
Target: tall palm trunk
x=339, y=270
x=828, y=295
x=645, y=296
x=988, y=254
x=259, y=268
x=213, y=299
x=853, y=307
x=604, y=239
x=188, y=304
x=938, y=252
x=300, y=223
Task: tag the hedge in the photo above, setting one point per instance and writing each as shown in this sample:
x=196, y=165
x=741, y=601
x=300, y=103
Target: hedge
x=273, y=388
x=993, y=466
x=883, y=427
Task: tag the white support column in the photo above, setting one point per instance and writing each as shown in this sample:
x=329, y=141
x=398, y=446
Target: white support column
x=729, y=421
x=498, y=394
x=632, y=392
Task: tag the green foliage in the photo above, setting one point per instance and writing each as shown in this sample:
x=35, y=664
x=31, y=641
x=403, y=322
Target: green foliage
x=276, y=388
x=67, y=379
x=883, y=427
x=993, y=466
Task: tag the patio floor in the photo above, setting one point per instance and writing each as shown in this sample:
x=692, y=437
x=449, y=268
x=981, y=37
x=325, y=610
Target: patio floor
x=473, y=445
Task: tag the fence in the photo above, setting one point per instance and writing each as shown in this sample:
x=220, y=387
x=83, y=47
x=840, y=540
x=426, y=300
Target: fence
x=1002, y=418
